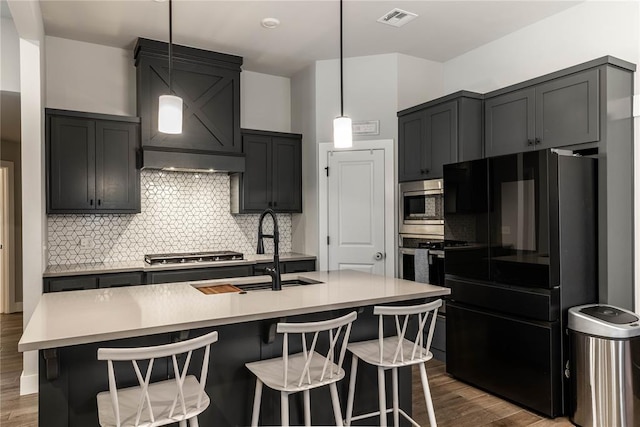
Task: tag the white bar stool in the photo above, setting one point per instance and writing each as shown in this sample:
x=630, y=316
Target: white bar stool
x=301, y=372
x=175, y=400
x=392, y=353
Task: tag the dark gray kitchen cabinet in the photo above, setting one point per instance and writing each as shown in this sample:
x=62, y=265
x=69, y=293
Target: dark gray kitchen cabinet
x=209, y=85
x=72, y=283
x=92, y=163
x=445, y=130
x=299, y=266
x=116, y=280
x=195, y=274
x=560, y=112
x=273, y=176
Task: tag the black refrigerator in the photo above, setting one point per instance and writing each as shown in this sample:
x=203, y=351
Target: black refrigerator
x=528, y=222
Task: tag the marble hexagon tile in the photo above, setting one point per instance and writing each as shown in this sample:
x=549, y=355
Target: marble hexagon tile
x=180, y=212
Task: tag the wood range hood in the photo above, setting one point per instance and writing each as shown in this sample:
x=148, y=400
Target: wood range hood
x=209, y=84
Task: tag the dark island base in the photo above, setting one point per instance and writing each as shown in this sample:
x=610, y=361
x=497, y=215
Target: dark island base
x=70, y=399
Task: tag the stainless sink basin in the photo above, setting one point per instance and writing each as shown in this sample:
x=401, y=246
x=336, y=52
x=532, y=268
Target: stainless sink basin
x=267, y=285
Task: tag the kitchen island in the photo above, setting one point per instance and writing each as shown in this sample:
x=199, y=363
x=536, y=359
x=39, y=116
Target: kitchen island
x=68, y=328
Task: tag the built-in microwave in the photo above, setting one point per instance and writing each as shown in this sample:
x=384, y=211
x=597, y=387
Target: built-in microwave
x=422, y=208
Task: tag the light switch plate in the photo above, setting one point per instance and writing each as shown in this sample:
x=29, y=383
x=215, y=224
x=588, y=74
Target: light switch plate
x=368, y=127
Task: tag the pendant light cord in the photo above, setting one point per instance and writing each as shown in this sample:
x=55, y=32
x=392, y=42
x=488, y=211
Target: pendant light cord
x=170, y=43
x=341, y=67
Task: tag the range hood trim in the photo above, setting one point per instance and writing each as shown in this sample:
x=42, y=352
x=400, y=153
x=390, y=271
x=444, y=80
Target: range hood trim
x=192, y=162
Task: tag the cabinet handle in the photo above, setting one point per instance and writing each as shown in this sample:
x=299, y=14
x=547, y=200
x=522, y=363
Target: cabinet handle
x=270, y=204
x=538, y=141
x=529, y=141
x=426, y=171
x=422, y=172
x=99, y=202
x=90, y=202
x=275, y=204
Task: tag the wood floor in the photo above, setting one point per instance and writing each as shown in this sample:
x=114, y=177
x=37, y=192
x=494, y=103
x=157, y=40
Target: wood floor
x=456, y=404
x=15, y=410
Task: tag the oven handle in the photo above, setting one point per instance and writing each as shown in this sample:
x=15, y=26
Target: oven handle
x=407, y=251
x=423, y=192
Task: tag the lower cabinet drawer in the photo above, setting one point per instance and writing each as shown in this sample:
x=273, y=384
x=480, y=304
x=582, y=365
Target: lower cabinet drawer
x=300, y=266
x=120, y=279
x=74, y=283
x=198, y=274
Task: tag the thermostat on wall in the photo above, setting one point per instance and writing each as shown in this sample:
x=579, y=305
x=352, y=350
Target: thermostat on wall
x=367, y=127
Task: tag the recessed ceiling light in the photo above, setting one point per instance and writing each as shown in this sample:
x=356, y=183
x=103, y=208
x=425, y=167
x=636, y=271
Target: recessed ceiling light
x=270, y=23
x=397, y=17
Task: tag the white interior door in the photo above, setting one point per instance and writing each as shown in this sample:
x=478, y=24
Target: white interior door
x=356, y=210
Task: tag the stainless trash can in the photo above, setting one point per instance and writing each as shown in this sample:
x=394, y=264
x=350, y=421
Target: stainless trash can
x=605, y=368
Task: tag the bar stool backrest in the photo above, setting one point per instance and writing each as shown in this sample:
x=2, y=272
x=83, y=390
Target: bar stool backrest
x=334, y=328
x=134, y=355
x=402, y=316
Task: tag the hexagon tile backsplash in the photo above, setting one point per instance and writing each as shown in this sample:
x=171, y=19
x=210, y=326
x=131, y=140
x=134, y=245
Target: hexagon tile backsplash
x=181, y=212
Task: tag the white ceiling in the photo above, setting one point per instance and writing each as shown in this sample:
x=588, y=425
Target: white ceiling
x=309, y=29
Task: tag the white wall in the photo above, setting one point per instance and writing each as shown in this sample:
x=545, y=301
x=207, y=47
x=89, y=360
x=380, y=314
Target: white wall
x=28, y=20
x=370, y=93
x=419, y=80
x=89, y=77
x=304, y=237
x=10, y=56
x=265, y=102
x=584, y=32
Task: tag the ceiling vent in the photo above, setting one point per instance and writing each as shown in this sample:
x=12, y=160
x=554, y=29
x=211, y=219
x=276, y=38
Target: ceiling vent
x=397, y=17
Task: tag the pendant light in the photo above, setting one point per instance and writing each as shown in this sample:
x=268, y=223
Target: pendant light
x=170, y=106
x=342, y=130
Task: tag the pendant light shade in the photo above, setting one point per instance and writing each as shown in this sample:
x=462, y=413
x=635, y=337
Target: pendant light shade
x=170, y=106
x=342, y=133
x=342, y=130
x=170, y=114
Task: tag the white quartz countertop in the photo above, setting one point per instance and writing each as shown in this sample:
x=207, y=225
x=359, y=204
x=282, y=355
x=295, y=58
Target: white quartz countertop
x=129, y=266
x=79, y=317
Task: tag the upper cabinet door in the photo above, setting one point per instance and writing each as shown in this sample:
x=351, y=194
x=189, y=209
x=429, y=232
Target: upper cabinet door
x=287, y=183
x=442, y=137
x=510, y=123
x=412, y=153
x=71, y=165
x=256, y=181
x=117, y=179
x=567, y=110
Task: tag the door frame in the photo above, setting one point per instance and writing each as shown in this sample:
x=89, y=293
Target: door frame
x=387, y=145
x=7, y=197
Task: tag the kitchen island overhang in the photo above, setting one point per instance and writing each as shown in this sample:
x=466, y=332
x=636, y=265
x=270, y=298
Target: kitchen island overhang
x=69, y=327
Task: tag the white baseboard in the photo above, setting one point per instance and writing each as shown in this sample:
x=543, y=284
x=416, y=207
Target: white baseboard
x=28, y=384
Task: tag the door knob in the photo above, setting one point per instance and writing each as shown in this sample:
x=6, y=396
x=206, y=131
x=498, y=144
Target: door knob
x=378, y=256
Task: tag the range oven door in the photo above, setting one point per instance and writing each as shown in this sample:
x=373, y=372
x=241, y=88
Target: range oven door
x=407, y=266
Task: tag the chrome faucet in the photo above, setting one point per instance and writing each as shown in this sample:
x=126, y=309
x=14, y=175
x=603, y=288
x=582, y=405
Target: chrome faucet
x=274, y=272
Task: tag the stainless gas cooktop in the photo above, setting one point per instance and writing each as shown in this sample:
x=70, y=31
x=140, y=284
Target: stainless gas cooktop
x=193, y=257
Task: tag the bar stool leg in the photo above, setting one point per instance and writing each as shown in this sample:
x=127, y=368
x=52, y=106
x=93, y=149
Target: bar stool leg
x=427, y=395
x=307, y=408
x=193, y=422
x=256, y=403
x=336, y=403
x=396, y=412
x=284, y=406
x=382, y=397
x=352, y=388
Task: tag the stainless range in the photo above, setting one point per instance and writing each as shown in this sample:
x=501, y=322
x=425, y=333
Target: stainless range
x=193, y=257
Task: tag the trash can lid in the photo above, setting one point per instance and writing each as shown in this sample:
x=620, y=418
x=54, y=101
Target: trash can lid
x=604, y=320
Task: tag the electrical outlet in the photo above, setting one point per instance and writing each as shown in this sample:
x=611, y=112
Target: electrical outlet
x=86, y=243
